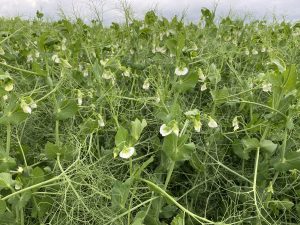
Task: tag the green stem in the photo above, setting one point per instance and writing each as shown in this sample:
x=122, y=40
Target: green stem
x=22, y=216
x=21, y=70
x=171, y=199
x=283, y=149
x=57, y=132
x=255, y=180
x=8, y=138
x=168, y=178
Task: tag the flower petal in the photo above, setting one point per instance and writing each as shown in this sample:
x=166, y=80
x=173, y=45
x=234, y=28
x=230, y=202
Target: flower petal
x=212, y=123
x=127, y=152
x=165, y=130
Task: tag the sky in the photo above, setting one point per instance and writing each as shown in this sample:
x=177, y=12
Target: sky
x=111, y=10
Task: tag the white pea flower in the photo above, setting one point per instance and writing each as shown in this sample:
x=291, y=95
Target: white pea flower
x=55, y=58
x=181, y=71
x=29, y=58
x=247, y=51
x=160, y=49
x=37, y=54
x=5, y=97
x=101, y=121
x=203, y=87
x=79, y=97
x=33, y=105
x=263, y=49
x=9, y=86
x=192, y=113
x=20, y=169
x=126, y=73
x=146, y=84
x=18, y=186
x=107, y=75
x=212, y=123
x=103, y=62
x=127, y=152
x=167, y=129
x=267, y=87
x=235, y=123
x=85, y=73
x=197, y=125
x=25, y=107
x=202, y=77
x=254, y=52
x=63, y=47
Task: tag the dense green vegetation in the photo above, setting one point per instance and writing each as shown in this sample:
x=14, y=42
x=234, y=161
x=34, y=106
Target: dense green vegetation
x=149, y=122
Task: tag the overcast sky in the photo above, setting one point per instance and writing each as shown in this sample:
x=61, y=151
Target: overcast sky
x=290, y=9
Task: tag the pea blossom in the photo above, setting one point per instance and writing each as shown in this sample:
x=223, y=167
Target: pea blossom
x=181, y=71
x=203, y=87
x=169, y=128
x=127, y=152
x=9, y=86
x=267, y=87
x=146, y=84
x=194, y=115
x=235, y=123
x=212, y=123
x=55, y=58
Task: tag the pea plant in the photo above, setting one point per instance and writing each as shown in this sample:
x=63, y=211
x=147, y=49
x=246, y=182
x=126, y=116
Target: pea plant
x=152, y=122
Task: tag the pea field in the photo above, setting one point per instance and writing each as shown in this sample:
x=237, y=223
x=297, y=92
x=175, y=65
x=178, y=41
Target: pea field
x=153, y=121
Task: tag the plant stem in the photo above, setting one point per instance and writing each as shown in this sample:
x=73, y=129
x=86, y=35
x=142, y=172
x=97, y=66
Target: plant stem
x=169, y=197
x=57, y=132
x=255, y=180
x=168, y=178
x=8, y=138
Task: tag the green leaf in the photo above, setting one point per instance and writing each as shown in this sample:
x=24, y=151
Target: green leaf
x=180, y=42
x=279, y=63
x=220, y=95
x=37, y=176
x=243, y=147
x=2, y=206
x=140, y=169
x=121, y=137
x=52, y=150
x=139, y=218
x=67, y=109
x=89, y=126
x=250, y=143
x=281, y=205
x=176, y=149
x=196, y=163
x=172, y=45
x=178, y=220
x=291, y=161
x=137, y=127
x=268, y=146
x=8, y=218
x=42, y=206
x=6, y=162
x=290, y=79
x=13, y=118
x=119, y=193
x=214, y=74
x=6, y=180
x=187, y=82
